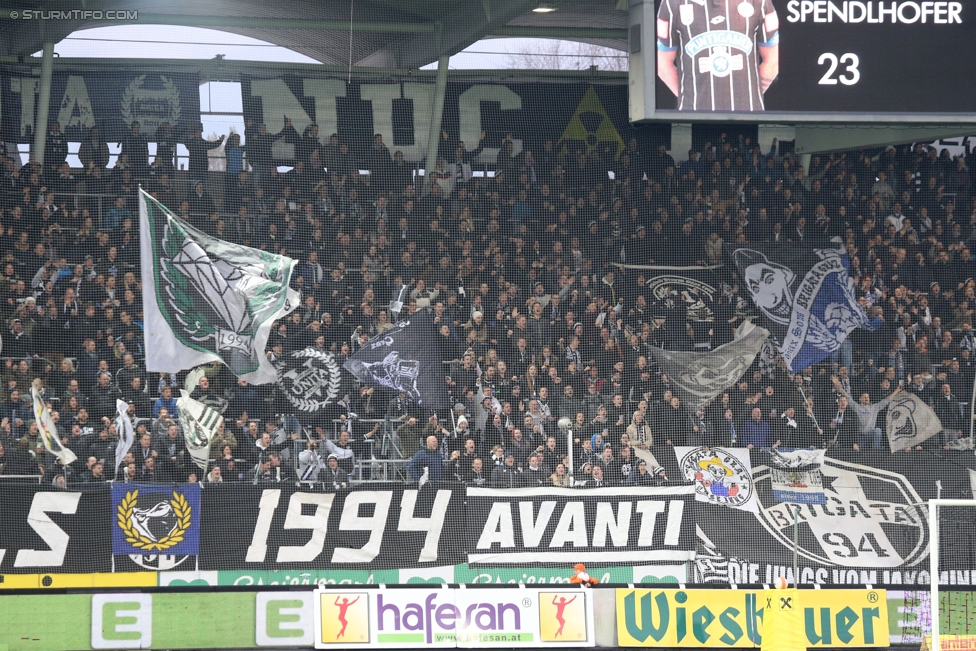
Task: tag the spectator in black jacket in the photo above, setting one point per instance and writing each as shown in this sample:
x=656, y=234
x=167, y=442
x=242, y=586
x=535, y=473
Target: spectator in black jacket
x=16, y=413
x=949, y=411
x=199, y=150
x=257, y=144
x=534, y=475
x=136, y=148
x=507, y=474
x=95, y=475
x=101, y=402
x=17, y=343
x=201, y=204
x=843, y=426
x=172, y=454
x=476, y=475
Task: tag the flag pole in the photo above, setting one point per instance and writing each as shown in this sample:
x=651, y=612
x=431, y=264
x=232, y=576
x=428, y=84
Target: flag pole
x=796, y=560
x=972, y=406
x=812, y=413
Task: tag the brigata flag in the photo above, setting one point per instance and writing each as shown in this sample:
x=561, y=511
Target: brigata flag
x=698, y=377
x=795, y=475
x=48, y=430
x=910, y=421
x=206, y=300
x=806, y=297
x=123, y=425
x=404, y=358
x=199, y=424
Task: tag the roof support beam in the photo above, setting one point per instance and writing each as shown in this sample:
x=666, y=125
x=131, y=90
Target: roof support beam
x=243, y=22
x=462, y=26
x=43, y=103
x=559, y=32
x=440, y=90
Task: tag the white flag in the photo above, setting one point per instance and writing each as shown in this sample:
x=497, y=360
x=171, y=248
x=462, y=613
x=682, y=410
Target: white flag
x=206, y=300
x=972, y=481
x=199, y=423
x=123, y=425
x=722, y=476
x=910, y=421
x=49, y=431
x=193, y=379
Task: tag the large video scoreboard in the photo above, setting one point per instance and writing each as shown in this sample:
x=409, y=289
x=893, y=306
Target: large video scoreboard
x=811, y=59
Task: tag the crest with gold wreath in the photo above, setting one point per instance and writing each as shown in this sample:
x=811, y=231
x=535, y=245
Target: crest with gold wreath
x=155, y=529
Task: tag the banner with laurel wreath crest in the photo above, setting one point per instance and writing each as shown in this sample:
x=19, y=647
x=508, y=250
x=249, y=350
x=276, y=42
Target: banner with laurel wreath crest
x=81, y=99
x=156, y=519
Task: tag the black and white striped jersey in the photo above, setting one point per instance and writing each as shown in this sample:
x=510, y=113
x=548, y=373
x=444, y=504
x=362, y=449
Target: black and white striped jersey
x=717, y=43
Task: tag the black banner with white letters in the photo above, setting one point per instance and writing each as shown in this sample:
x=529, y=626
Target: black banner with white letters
x=872, y=529
x=110, y=100
x=583, y=116
x=375, y=526
x=44, y=530
x=611, y=525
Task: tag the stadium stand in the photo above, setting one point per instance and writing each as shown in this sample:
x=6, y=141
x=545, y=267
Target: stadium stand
x=539, y=272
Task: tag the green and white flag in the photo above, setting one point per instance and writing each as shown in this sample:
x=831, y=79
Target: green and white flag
x=199, y=423
x=207, y=300
x=49, y=431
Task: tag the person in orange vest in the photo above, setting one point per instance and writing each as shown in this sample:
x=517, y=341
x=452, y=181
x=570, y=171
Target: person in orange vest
x=580, y=577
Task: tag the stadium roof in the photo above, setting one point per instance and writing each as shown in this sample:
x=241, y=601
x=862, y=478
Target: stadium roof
x=378, y=33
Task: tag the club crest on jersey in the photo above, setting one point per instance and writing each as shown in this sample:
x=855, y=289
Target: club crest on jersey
x=746, y=10
x=687, y=14
x=720, y=63
x=719, y=38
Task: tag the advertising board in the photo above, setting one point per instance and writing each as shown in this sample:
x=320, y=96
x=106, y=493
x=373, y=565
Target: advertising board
x=433, y=617
x=734, y=618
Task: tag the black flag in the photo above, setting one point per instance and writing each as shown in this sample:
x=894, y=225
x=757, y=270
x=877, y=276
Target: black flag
x=404, y=358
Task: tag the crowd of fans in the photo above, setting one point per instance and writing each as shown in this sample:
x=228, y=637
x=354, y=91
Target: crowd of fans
x=524, y=273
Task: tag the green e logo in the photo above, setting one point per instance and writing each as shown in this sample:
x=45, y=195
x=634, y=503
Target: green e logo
x=283, y=619
x=121, y=621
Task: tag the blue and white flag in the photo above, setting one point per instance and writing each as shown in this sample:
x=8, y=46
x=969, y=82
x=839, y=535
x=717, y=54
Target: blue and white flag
x=806, y=297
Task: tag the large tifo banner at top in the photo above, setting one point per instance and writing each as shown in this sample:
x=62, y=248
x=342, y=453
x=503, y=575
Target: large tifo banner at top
x=110, y=100
x=577, y=115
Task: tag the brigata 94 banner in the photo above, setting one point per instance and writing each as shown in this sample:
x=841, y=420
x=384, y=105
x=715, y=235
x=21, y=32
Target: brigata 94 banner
x=815, y=56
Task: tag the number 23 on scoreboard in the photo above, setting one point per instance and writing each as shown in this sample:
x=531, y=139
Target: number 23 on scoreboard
x=849, y=61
